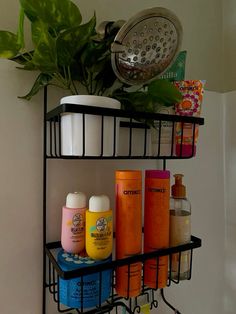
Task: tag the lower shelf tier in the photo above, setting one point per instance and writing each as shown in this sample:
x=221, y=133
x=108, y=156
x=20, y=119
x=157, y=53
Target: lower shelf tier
x=92, y=288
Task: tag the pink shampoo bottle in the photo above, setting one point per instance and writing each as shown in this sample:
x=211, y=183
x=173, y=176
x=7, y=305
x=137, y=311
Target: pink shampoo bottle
x=73, y=223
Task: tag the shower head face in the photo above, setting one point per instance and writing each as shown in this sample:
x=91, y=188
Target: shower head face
x=146, y=46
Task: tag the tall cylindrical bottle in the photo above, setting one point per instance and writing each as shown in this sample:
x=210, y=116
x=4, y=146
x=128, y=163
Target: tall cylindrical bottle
x=180, y=229
x=99, y=227
x=128, y=230
x=156, y=226
x=73, y=223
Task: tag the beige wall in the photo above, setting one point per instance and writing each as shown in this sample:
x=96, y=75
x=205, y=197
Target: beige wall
x=230, y=217
x=229, y=44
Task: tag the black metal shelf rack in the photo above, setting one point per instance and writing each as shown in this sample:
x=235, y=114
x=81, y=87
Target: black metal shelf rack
x=52, y=272
x=145, y=121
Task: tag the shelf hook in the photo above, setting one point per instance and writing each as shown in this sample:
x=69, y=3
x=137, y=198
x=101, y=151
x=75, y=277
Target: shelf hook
x=167, y=303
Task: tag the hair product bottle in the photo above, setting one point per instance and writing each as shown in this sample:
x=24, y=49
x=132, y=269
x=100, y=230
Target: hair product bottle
x=161, y=134
x=186, y=134
x=128, y=230
x=180, y=229
x=156, y=226
x=99, y=228
x=73, y=223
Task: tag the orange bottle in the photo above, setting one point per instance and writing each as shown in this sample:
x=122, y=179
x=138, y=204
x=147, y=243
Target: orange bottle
x=156, y=226
x=128, y=230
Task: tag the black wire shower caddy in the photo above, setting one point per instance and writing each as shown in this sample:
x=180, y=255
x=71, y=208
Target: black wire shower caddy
x=52, y=272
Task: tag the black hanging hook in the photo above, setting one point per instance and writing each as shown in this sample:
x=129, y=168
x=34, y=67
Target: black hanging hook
x=167, y=303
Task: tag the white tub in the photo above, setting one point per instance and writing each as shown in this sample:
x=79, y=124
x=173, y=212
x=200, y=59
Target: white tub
x=72, y=128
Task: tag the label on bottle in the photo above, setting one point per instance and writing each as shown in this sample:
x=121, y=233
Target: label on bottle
x=101, y=233
x=73, y=229
x=192, y=92
x=83, y=292
x=77, y=227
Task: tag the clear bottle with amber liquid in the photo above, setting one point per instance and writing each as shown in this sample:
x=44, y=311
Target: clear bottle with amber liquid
x=180, y=229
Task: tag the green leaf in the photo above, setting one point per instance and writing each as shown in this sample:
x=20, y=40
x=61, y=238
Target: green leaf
x=44, y=57
x=58, y=14
x=20, y=32
x=22, y=58
x=106, y=74
x=93, y=53
x=41, y=81
x=97, y=51
x=37, y=28
x=164, y=92
x=134, y=101
x=9, y=46
x=159, y=92
x=77, y=71
x=70, y=42
x=25, y=59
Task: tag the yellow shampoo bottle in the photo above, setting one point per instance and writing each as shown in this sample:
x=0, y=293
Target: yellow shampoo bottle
x=99, y=228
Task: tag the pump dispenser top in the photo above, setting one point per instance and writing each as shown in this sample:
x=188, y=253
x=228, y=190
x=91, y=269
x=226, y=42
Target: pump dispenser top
x=178, y=190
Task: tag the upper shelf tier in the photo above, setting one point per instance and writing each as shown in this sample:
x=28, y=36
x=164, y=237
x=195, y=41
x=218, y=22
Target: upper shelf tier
x=74, y=108
x=88, y=132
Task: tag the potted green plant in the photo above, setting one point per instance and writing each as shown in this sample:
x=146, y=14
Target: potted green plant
x=66, y=52
x=71, y=55
x=57, y=36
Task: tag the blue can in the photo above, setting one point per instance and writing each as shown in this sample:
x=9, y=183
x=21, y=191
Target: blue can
x=70, y=290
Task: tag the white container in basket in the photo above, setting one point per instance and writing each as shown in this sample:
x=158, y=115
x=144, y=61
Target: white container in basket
x=72, y=128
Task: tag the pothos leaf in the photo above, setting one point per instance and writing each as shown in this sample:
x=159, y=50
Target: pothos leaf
x=164, y=92
x=25, y=60
x=9, y=46
x=58, y=14
x=20, y=32
x=41, y=81
x=134, y=101
x=44, y=57
x=70, y=42
x=106, y=74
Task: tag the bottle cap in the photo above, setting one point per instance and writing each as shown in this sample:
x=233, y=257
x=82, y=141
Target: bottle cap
x=99, y=203
x=76, y=200
x=157, y=174
x=178, y=189
x=128, y=175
